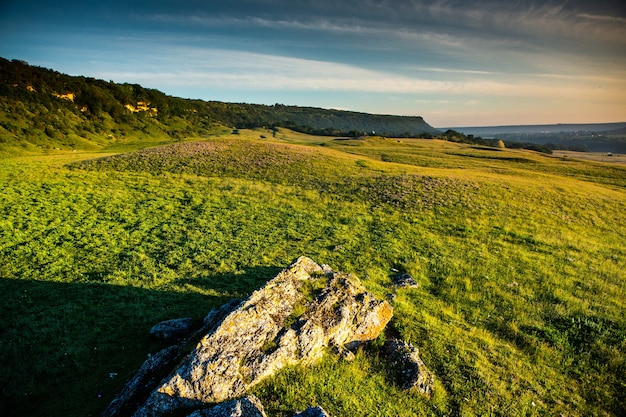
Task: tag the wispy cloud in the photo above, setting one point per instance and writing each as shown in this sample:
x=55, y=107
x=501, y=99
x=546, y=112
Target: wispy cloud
x=245, y=71
x=470, y=32
x=453, y=70
x=603, y=18
x=336, y=26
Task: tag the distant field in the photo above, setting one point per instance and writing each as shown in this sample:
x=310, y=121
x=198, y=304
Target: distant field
x=593, y=156
x=520, y=259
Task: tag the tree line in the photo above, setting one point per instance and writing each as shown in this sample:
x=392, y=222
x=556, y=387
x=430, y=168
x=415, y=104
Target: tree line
x=100, y=102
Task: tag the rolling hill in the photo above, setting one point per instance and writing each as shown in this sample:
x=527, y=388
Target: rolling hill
x=41, y=109
x=519, y=257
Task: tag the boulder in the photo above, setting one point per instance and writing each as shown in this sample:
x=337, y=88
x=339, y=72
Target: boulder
x=159, y=365
x=287, y=322
x=171, y=329
x=412, y=373
x=405, y=280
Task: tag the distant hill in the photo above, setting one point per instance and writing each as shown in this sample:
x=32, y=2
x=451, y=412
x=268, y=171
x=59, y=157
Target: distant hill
x=41, y=109
x=335, y=122
x=620, y=131
x=491, y=131
x=598, y=137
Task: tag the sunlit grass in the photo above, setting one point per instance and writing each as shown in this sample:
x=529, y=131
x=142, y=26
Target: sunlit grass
x=520, y=260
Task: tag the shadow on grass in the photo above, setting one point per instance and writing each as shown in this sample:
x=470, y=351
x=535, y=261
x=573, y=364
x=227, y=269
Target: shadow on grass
x=67, y=349
x=234, y=285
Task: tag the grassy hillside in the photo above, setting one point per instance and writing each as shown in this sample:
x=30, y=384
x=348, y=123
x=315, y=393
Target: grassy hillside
x=42, y=110
x=520, y=259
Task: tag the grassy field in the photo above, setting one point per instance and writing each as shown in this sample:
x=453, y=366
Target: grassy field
x=520, y=257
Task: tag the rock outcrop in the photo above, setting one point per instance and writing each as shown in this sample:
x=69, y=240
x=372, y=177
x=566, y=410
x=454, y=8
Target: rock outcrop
x=292, y=320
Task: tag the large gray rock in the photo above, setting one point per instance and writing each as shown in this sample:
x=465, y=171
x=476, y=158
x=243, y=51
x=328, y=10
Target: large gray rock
x=159, y=365
x=413, y=373
x=284, y=323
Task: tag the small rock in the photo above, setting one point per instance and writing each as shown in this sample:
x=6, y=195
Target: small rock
x=405, y=280
x=413, y=372
x=313, y=412
x=171, y=329
x=249, y=406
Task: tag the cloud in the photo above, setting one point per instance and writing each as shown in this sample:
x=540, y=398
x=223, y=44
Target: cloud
x=334, y=26
x=255, y=71
x=453, y=70
x=246, y=71
x=469, y=32
x=603, y=18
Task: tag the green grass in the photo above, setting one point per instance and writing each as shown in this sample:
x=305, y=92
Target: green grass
x=520, y=259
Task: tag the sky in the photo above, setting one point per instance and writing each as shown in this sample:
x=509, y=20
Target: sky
x=453, y=62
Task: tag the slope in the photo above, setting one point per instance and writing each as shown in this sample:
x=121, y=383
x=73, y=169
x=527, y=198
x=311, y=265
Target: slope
x=41, y=109
x=520, y=259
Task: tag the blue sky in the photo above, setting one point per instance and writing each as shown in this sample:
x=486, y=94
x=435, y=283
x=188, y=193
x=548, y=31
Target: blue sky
x=456, y=63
